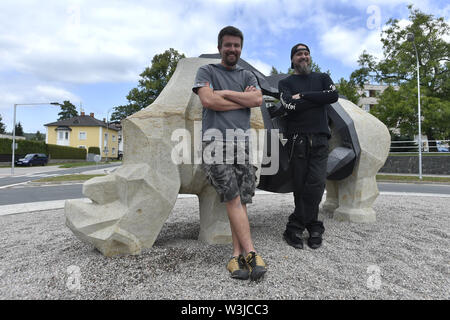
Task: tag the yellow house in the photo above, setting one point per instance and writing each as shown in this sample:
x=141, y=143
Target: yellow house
x=84, y=132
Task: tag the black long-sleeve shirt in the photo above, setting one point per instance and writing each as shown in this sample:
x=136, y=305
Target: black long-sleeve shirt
x=309, y=113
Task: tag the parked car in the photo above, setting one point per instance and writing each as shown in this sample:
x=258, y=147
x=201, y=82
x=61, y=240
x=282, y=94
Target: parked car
x=442, y=146
x=33, y=159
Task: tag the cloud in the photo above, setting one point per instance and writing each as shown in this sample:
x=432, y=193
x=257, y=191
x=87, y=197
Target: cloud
x=50, y=93
x=22, y=92
x=98, y=41
x=112, y=41
x=31, y=92
x=260, y=66
x=49, y=49
x=346, y=45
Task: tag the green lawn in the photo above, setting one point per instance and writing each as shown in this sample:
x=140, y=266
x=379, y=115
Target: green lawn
x=82, y=164
x=416, y=154
x=387, y=177
x=69, y=177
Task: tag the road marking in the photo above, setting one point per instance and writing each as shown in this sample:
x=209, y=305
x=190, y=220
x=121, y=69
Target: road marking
x=13, y=185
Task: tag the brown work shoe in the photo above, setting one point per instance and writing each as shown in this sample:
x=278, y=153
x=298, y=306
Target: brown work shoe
x=256, y=265
x=238, y=268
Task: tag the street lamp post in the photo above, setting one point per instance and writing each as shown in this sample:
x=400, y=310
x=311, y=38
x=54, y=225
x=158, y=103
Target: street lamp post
x=107, y=132
x=13, y=147
x=410, y=38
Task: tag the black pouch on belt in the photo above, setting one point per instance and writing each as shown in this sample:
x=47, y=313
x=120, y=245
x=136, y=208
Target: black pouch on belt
x=297, y=147
x=300, y=147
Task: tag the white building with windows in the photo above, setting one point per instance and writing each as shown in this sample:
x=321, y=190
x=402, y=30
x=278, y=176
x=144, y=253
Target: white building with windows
x=370, y=94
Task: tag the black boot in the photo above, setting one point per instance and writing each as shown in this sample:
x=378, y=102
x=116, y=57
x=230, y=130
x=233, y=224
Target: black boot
x=293, y=239
x=315, y=239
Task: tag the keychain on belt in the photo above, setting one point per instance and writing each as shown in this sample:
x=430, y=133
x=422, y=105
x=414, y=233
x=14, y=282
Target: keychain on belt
x=292, y=146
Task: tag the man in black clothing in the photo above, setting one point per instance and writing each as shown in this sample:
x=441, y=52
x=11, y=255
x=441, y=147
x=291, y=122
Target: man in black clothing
x=305, y=96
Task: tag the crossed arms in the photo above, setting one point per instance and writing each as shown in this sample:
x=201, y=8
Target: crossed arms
x=294, y=103
x=225, y=100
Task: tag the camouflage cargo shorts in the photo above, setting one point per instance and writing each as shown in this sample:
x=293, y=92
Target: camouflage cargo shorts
x=230, y=180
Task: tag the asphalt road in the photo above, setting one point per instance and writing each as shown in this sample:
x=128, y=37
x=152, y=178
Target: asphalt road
x=25, y=193
x=16, y=189
x=25, y=174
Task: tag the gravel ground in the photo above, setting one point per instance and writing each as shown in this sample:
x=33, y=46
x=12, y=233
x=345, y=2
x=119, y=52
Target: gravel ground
x=404, y=255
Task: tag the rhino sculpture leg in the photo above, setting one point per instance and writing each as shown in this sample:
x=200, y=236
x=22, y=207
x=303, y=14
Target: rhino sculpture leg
x=214, y=223
x=332, y=198
x=351, y=199
x=356, y=197
x=123, y=217
x=130, y=205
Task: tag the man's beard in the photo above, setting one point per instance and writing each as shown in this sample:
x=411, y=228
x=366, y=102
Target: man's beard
x=303, y=68
x=230, y=63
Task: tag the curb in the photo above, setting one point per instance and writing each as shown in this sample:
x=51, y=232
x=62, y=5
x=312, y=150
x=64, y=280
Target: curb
x=415, y=182
x=12, y=209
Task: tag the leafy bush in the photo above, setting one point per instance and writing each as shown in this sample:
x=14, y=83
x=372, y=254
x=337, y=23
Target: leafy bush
x=63, y=152
x=52, y=150
x=23, y=146
x=94, y=150
x=408, y=145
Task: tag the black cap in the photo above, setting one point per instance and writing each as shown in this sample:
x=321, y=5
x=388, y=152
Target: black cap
x=295, y=49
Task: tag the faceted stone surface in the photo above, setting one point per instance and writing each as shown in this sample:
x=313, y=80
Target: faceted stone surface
x=130, y=206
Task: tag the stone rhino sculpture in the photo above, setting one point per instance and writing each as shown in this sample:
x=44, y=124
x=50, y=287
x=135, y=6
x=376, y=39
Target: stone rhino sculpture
x=129, y=206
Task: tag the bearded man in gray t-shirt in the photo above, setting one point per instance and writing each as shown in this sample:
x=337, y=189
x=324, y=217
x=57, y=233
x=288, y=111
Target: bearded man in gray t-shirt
x=227, y=92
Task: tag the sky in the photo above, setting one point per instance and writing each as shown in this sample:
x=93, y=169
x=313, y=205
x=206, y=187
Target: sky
x=92, y=52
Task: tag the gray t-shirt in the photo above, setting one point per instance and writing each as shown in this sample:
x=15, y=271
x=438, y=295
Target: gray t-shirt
x=216, y=123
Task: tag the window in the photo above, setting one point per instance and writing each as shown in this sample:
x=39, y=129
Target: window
x=105, y=141
x=113, y=138
x=61, y=135
x=113, y=151
x=82, y=135
x=67, y=135
x=366, y=107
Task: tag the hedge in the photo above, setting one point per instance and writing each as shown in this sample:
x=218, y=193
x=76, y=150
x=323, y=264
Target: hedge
x=63, y=152
x=94, y=150
x=23, y=146
x=53, y=150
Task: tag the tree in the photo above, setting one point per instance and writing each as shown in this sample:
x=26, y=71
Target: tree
x=274, y=71
x=398, y=109
x=349, y=89
x=2, y=126
x=39, y=136
x=19, y=129
x=398, y=67
x=152, y=82
x=68, y=110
